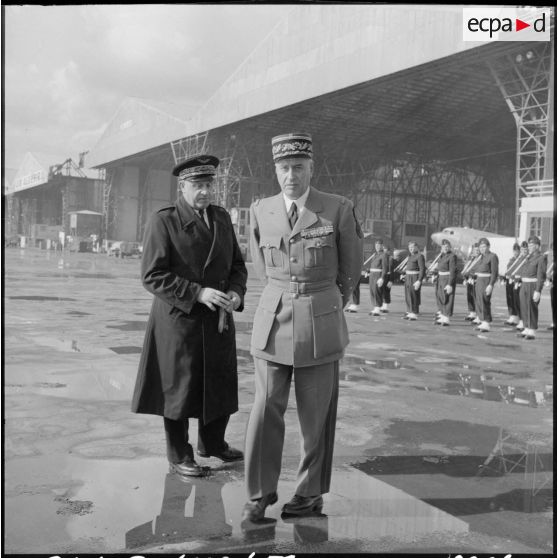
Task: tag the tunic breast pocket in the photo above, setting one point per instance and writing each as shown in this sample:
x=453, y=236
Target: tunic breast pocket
x=319, y=252
x=271, y=247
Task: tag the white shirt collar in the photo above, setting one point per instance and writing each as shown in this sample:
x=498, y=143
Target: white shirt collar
x=300, y=202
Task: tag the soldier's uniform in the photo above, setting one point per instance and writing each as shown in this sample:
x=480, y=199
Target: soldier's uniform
x=516, y=276
x=447, y=275
x=379, y=269
x=513, y=309
x=386, y=293
x=551, y=281
x=415, y=270
x=486, y=273
x=533, y=272
x=468, y=273
x=299, y=329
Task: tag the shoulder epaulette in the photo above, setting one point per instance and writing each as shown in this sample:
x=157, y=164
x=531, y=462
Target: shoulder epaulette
x=166, y=207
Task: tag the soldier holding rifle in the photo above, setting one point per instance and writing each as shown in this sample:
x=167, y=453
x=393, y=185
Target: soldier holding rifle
x=445, y=286
x=486, y=275
x=468, y=273
x=414, y=270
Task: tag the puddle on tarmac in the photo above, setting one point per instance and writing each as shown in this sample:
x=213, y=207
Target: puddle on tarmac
x=126, y=350
x=130, y=325
x=140, y=505
x=42, y=298
x=77, y=313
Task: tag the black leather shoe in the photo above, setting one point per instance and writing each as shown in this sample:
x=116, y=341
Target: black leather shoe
x=189, y=468
x=303, y=505
x=254, y=510
x=227, y=454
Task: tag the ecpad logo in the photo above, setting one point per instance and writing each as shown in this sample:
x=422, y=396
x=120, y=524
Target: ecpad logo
x=506, y=24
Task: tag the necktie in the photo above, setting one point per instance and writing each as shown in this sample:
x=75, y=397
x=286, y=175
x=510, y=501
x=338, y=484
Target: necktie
x=293, y=215
x=203, y=216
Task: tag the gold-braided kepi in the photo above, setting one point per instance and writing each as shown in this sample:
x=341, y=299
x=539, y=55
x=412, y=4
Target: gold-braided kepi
x=295, y=144
x=198, y=166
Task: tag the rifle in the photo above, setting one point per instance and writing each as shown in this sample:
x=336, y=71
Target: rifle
x=430, y=271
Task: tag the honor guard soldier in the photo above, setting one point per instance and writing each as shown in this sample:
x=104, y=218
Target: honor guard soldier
x=486, y=275
x=551, y=284
x=307, y=244
x=468, y=274
x=508, y=279
x=445, y=286
x=386, y=295
x=193, y=266
x=532, y=271
x=415, y=272
x=378, y=274
x=523, y=253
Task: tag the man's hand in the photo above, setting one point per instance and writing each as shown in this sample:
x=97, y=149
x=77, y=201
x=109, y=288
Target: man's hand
x=389, y=284
x=212, y=297
x=448, y=289
x=235, y=301
x=536, y=296
x=488, y=290
x=417, y=285
x=380, y=282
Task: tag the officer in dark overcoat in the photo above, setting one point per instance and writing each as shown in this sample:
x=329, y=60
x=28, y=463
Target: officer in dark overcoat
x=193, y=265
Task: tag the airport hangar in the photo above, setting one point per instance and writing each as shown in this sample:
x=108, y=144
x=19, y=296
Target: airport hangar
x=420, y=129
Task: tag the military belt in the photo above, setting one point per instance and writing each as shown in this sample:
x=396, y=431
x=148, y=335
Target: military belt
x=484, y=274
x=373, y=269
x=445, y=273
x=302, y=288
x=529, y=279
x=411, y=272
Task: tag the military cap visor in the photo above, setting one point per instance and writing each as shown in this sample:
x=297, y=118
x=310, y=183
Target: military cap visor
x=534, y=240
x=199, y=166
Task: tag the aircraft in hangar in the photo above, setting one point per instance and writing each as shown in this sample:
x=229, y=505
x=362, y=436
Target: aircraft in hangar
x=462, y=239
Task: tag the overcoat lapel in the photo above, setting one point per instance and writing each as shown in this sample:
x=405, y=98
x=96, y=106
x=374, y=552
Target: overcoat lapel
x=218, y=230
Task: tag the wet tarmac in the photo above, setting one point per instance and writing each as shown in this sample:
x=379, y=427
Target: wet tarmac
x=444, y=436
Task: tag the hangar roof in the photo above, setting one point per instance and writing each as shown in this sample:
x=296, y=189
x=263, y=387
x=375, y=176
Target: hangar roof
x=369, y=80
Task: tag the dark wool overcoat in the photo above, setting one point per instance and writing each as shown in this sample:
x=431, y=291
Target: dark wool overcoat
x=187, y=368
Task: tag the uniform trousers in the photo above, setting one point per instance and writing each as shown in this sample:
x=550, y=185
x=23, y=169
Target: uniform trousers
x=316, y=391
x=356, y=294
x=211, y=438
x=386, y=294
x=513, y=310
x=529, y=308
x=471, y=297
x=553, y=301
x=412, y=296
x=376, y=293
x=445, y=301
x=483, y=301
x=516, y=297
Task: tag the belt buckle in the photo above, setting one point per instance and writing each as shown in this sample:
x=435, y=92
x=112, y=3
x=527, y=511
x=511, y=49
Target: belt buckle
x=293, y=287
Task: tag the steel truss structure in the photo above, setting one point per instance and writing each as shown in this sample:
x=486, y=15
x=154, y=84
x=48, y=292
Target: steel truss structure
x=524, y=79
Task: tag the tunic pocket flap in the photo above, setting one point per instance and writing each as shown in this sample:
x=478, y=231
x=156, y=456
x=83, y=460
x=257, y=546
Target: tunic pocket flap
x=271, y=241
x=270, y=299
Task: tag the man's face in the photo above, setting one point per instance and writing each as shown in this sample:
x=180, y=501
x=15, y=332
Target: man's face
x=293, y=175
x=445, y=248
x=198, y=193
x=523, y=251
x=475, y=251
x=532, y=247
x=483, y=248
x=413, y=248
x=379, y=246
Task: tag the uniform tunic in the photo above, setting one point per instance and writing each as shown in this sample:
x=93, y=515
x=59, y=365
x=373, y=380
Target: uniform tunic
x=447, y=275
x=415, y=270
x=511, y=299
x=379, y=268
x=486, y=273
x=386, y=295
x=533, y=273
x=187, y=368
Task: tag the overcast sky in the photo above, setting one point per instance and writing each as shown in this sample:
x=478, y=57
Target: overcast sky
x=68, y=68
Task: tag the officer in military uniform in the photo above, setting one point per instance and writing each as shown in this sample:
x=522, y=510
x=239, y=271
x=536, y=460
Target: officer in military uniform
x=193, y=265
x=523, y=253
x=508, y=279
x=386, y=289
x=533, y=272
x=378, y=276
x=486, y=275
x=551, y=284
x=468, y=274
x=445, y=286
x=414, y=272
x=307, y=244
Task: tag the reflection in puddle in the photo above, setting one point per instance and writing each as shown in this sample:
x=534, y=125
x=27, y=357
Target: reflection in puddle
x=126, y=350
